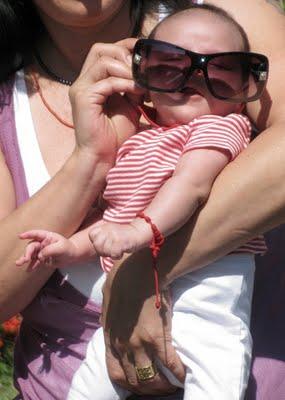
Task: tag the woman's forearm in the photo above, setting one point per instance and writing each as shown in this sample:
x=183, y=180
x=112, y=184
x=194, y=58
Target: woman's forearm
x=59, y=206
x=247, y=199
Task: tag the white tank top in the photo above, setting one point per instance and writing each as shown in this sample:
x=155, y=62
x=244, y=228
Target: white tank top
x=85, y=277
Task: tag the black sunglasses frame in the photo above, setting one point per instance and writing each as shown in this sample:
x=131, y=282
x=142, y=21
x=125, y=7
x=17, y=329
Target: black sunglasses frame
x=198, y=62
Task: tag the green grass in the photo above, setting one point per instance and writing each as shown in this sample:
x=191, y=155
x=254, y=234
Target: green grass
x=7, y=391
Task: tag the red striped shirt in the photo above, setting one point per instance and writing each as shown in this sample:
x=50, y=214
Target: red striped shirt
x=148, y=159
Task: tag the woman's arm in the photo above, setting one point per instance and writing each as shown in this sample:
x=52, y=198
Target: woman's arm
x=247, y=198
x=63, y=202
x=52, y=208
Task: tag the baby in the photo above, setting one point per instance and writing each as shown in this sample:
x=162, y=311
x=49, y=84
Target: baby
x=198, y=69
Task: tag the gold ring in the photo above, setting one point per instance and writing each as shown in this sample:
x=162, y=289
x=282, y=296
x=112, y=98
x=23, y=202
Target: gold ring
x=146, y=373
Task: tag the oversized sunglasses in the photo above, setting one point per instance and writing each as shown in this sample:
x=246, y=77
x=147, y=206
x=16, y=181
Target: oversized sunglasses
x=231, y=76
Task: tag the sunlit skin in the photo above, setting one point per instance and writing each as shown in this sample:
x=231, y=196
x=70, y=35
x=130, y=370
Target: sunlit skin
x=80, y=24
x=80, y=13
x=219, y=36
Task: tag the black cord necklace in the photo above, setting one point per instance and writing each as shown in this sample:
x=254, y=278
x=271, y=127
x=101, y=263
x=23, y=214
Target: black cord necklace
x=46, y=69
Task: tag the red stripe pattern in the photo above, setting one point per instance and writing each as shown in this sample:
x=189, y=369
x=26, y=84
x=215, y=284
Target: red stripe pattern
x=148, y=159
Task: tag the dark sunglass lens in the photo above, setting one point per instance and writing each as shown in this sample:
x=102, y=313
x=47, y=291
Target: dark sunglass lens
x=237, y=77
x=164, y=77
x=158, y=65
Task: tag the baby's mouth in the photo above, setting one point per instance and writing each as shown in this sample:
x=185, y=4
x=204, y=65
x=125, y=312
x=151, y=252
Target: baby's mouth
x=190, y=91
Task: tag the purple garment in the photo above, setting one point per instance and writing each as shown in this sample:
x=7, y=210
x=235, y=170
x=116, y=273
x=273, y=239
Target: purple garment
x=9, y=143
x=55, y=332
x=267, y=381
x=60, y=321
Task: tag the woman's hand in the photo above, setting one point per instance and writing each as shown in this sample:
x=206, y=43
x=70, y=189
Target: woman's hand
x=103, y=115
x=136, y=333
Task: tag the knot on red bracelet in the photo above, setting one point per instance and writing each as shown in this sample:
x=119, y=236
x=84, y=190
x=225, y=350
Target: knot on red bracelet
x=155, y=246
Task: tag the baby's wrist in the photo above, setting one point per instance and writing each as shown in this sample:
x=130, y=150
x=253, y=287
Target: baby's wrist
x=74, y=251
x=144, y=231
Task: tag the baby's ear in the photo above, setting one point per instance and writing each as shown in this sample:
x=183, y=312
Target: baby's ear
x=240, y=108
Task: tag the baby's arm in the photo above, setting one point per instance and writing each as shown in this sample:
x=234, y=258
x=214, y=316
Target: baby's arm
x=172, y=206
x=183, y=193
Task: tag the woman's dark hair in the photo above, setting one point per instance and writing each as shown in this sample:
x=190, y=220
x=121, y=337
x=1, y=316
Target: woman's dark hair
x=142, y=8
x=21, y=27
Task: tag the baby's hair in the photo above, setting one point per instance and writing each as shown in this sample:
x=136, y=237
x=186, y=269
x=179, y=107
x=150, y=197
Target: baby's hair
x=213, y=10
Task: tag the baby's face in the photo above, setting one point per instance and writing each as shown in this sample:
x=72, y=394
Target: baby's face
x=204, y=33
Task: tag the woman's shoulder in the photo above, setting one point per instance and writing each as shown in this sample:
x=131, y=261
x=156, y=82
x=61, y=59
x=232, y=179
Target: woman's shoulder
x=267, y=23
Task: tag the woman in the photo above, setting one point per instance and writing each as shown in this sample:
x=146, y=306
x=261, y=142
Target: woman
x=37, y=131
x=71, y=28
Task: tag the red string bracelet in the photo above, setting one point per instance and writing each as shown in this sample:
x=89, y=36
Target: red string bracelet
x=155, y=246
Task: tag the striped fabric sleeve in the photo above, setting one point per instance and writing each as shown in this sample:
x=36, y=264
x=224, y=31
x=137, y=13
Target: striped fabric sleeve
x=230, y=133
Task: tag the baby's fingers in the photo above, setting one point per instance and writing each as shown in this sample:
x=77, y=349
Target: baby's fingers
x=35, y=234
x=51, y=250
x=114, y=250
x=21, y=261
x=30, y=253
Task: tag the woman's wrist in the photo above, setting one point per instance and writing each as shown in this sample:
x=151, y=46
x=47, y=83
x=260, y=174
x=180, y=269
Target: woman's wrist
x=89, y=166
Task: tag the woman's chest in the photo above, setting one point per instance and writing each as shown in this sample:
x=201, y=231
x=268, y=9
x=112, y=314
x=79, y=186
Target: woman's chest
x=55, y=140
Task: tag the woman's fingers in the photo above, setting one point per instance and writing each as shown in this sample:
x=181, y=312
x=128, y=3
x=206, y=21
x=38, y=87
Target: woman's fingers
x=114, y=365
x=112, y=85
x=120, y=51
x=128, y=43
x=158, y=384
x=122, y=370
x=137, y=332
x=107, y=77
x=106, y=66
x=170, y=360
x=97, y=129
x=129, y=371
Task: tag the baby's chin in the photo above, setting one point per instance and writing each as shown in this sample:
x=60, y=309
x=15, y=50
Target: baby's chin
x=179, y=113
x=181, y=118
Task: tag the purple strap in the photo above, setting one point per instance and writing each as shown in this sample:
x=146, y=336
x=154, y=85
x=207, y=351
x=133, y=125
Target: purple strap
x=9, y=142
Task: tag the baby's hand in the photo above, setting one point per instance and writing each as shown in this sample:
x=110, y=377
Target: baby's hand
x=48, y=248
x=113, y=240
